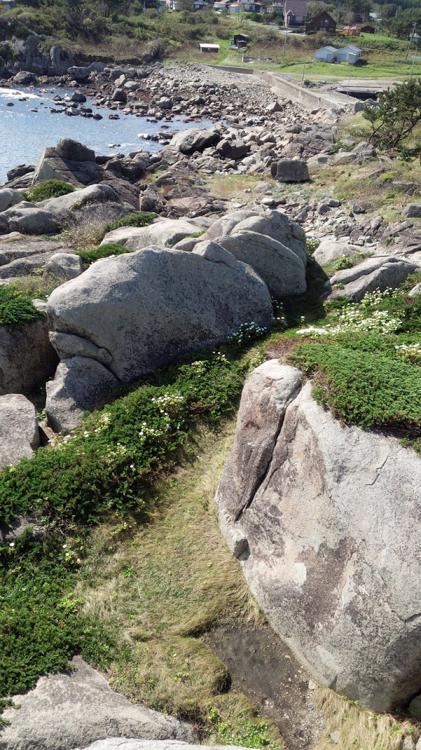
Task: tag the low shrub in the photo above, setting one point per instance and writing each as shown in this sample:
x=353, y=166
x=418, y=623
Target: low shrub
x=105, y=464
x=364, y=381
x=135, y=219
x=16, y=307
x=103, y=251
x=40, y=624
x=48, y=189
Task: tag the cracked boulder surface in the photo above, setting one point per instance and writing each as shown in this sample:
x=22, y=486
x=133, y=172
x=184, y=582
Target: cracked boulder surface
x=326, y=521
x=129, y=315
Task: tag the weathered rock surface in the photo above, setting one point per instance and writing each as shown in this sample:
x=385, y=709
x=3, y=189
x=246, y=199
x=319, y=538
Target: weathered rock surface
x=165, y=233
x=381, y=272
x=19, y=434
x=8, y=198
x=310, y=508
x=290, y=170
x=279, y=267
x=273, y=224
x=27, y=358
x=143, y=310
x=29, y=219
x=66, y=711
x=70, y=161
x=64, y=265
x=332, y=248
x=80, y=384
x=122, y=743
x=189, y=141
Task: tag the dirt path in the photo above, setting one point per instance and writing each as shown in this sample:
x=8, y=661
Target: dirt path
x=265, y=669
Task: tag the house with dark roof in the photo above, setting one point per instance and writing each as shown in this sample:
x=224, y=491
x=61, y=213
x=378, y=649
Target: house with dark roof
x=322, y=21
x=295, y=12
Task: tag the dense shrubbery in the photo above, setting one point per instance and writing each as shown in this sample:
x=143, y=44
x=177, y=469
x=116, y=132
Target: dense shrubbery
x=48, y=189
x=16, y=307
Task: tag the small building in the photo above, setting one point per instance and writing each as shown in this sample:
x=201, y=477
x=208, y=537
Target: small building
x=350, y=31
x=209, y=48
x=368, y=28
x=233, y=7
x=7, y=4
x=250, y=7
x=240, y=41
x=199, y=4
x=322, y=21
x=220, y=5
x=326, y=54
x=349, y=54
x=295, y=12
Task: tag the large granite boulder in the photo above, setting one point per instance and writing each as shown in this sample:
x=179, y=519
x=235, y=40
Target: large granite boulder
x=29, y=219
x=280, y=268
x=132, y=314
x=381, y=272
x=66, y=711
x=326, y=522
x=290, y=170
x=27, y=358
x=70, y=161
x=9, y=197
x=165, y=233
x=274, y=224
x=19, y=434
x=63, y=204
x=190, y=141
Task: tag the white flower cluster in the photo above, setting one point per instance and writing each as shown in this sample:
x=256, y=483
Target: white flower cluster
x=247, y=332
x=410, y=351
x=168, y=402
x=146, y=431
x=360, y=318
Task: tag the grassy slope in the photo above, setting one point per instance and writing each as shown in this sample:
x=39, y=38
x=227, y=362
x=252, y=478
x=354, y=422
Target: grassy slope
x=126, y=37
x=163, y=586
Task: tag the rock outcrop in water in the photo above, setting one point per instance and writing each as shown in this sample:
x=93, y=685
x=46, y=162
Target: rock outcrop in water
x=325, y=521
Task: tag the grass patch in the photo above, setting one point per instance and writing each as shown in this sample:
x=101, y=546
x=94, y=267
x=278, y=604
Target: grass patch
x=16, y=307
x=365, y=362
x=356, y=728
x=103, y=251
x=40, y=624
x=135, y=219
x=240, y=186
x=48, y=189
x=347, y=261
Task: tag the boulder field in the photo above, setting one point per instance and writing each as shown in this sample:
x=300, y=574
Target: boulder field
x=325, y=520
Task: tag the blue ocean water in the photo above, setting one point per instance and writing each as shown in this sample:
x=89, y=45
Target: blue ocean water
x=25, y=133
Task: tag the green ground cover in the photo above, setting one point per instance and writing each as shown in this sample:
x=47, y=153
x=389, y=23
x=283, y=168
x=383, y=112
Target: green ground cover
x=48, y=189
x=16, y=307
